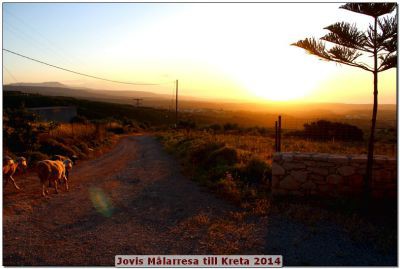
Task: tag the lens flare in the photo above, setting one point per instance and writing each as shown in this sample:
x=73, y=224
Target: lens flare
x=101, y=202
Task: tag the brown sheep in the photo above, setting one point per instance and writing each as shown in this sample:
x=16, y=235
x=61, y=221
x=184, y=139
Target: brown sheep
x=10, y=167
x=63, y=158
x=53, y=172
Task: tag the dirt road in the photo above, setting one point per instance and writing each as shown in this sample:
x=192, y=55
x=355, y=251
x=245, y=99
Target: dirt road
x=152, y=209
x=134, y=200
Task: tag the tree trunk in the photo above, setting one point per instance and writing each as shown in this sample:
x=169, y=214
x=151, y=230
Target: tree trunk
x=371, y=142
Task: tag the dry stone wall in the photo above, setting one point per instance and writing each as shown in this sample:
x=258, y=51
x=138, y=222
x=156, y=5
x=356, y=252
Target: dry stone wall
x=320, y=174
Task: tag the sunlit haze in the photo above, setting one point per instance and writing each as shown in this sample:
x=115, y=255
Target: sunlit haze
x=232, y=51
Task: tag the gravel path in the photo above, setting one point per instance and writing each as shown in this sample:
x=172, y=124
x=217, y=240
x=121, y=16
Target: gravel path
x=153, y=210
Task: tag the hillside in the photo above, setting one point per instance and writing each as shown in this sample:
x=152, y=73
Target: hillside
x=293, y=117
x=190, y=104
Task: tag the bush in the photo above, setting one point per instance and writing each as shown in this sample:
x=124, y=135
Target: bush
x=222, y=156
x=228, y=188
x=34, y=157
x=83, y=147
x=215, y=127
x=256, y=171
x=116, y=130
x=326, y=130
x=201, y=152
x=51, y=147
x=79, y=119
x=187, y=124
x=231, y=126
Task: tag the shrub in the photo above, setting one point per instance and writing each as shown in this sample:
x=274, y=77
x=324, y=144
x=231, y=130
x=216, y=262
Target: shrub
x=218, y=171
x=228, y=188
x=231, y=126
x=325, y=130
x=83, y=147
x=222, y=156
x=116, y=130
x=256, y=171
x=215, y=127
x=35, y=156
x=201, y=152
x=79, y=119
x=187, y=124
x=52, y=147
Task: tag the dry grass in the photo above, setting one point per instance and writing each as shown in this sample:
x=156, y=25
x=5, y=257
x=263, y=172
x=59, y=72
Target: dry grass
x=263, y=147
x=230, y=234
x=78, y=130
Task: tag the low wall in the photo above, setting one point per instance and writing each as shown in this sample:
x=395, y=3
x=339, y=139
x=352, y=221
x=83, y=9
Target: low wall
x=331, y=175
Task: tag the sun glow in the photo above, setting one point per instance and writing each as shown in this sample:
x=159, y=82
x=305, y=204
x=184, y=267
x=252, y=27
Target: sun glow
x=217, y=51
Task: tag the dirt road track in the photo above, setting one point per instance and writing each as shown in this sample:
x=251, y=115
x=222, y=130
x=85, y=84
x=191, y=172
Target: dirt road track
x=155, y=211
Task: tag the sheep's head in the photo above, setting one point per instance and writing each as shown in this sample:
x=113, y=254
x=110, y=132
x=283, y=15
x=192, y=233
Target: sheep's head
x=22, y=161
x=67, y=164
x=7, y=160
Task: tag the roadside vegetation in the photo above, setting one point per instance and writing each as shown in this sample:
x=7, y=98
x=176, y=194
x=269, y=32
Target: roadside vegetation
x=88, y=133
x=236, y=166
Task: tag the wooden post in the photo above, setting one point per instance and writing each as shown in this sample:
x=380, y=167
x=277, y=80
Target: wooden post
x=176, y=105
x=279, y=133
x=276, y=136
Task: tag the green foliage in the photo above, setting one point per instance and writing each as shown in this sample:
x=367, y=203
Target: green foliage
x=350, y=43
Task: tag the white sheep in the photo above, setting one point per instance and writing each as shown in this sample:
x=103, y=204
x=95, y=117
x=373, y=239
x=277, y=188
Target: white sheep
x=10, y=167
x=53, y=172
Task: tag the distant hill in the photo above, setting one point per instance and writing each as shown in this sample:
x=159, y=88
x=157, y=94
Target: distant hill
x=41, y=84
x=293, y=117
x=188, y=104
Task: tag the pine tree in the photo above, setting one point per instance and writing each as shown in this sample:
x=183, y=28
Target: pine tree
x=348, y=45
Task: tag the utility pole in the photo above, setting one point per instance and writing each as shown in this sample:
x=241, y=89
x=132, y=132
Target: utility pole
x=138, y=101
x=176, y=105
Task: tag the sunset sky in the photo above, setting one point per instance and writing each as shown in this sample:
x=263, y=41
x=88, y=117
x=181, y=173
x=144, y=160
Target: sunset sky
x=231, y=51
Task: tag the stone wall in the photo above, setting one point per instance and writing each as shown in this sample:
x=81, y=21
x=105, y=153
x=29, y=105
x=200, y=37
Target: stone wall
x=331, y=175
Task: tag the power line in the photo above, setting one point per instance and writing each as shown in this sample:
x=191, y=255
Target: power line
x=59, y=52
x=9, y=73
x=79, y=73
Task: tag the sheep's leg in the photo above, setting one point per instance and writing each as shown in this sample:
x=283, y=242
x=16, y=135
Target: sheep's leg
x=15, y=184
x=44, y=190
x=56, y=185
x=66, y=183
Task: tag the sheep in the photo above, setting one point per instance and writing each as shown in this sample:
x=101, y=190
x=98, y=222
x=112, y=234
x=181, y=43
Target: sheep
x=10, y=167
x=63, y=158
x=53, y=172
